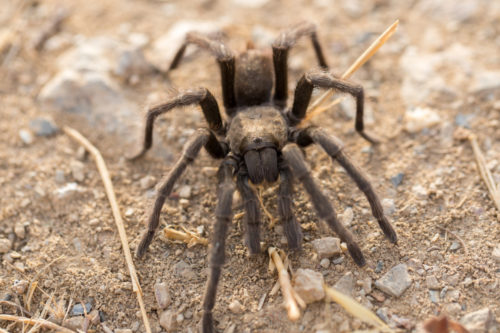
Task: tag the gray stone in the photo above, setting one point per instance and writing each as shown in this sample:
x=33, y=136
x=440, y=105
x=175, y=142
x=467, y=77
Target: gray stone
x=78, y=309
x=309, y=285
x=168, y=320
x=432, y=282
x=26, y=136
x=184, y=270
x=455, y=246
x=397, y=179
x=325, y=263
x=395, y=281
x=43, y=126
x=481, y=321
x=346, y=284
x=5, y=245
x=59, y=177
x=131, y=62
x=453, y=309
x=434, y=296
x=347, y=217
x=327, y=247
x=162, y=295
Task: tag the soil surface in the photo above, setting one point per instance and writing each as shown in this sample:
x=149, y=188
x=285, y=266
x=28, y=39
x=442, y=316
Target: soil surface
x=447, y=224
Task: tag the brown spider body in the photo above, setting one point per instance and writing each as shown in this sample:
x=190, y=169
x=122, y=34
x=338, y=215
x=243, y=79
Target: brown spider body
x=261, y=142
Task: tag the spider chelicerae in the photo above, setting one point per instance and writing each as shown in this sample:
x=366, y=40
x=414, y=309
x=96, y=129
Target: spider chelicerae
x=259, y=142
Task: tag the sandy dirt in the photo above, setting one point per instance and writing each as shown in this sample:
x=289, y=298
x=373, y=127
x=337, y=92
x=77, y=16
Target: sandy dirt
x=446, y=222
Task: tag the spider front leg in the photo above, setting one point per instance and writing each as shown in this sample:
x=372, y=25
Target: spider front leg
x=324, y=208
x=313, y=79
x=333, y=147
x=285, y=204
x=281, y=46
x=252, y=214
x=201, y=96
x=225, y=58
x=224, y=215
x=203, y=137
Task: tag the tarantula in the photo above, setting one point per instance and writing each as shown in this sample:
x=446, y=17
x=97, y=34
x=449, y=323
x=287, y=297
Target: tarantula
x=259, y=142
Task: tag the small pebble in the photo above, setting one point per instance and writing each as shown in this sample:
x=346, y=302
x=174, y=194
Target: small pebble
x=78, y=309
x=26, y=137
x=327, y=247
x=309, y=285
x=123, y=330
x=19, y=230
x=185, y=192
x=432, y=282
x=455, y=246
x=496, y=254
x=395, y=281
x=20, y=286
x=147, y=182
x=5, y=245
x=162, y=295
x=453, y=309
x=74, y=323
x=379, y=267
x=338, y=261
x=345, y=284
x=20, y=267
x=77, y=170
x=325, y=263
x=43, y=127
x=184, y=270
x=397, y=179
x=480, y=321
x=347, y=217
x=59, y=177
x=389, y=206
x=434, y=296
x=129, y=212
x=168, y=320
x=81, y=153
x=236, y=307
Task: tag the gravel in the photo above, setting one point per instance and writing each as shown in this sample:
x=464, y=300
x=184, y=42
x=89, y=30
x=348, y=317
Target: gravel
x=309, y=285
x=162, y=295
x=5, y=245
x=43, y=127
x=327, y=247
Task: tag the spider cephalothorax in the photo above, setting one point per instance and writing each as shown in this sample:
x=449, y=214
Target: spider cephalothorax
x=260, y=142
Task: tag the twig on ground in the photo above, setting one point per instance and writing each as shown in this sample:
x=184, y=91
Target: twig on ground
x=456, y=236
x=315, y=107
x=18, y=306
x=286, y=286
x=41, y=322
x=356, y=309
x=108, y=185
x=485, y=172
x=188, y=237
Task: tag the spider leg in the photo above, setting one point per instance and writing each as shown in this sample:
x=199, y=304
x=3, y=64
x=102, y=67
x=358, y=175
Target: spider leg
x=333, y=147
x=201, y=96
x=281, y=46
x=326, y=80
x=324, y=208
x=203, y=137
x=252, y=213
x=225, y=58
x=285, y=204
x=224, y=216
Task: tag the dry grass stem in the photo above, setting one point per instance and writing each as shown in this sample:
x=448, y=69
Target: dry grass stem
x=286, y=286
x=356, y=309
x=186, y=236
x=485, y=172
x=315, y=109
x=42, y=322
x=108, y=185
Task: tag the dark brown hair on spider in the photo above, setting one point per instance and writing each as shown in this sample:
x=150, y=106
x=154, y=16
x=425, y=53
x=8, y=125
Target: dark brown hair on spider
x=260, y=141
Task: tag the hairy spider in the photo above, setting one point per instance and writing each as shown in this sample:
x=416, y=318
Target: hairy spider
x=259, y=142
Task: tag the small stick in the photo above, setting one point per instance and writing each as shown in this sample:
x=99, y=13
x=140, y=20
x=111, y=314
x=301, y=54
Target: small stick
x=456, y=236
x=370, y=51
x=108, y=185
x=286, y=286
x=188, y=237
x=41, y=322
x=485, y=172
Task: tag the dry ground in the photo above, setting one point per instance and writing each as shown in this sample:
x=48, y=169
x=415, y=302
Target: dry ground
x=76, y=235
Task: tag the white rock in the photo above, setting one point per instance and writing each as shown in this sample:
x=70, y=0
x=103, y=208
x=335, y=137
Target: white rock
x=147, y=182
x=162, y=295
x=77, y=170
x=19, y=230
x=345, y=284
x=168, y=320
x=389, y=206
x=185, y=192
x=419, y=118
x=481, y=321
x=347, y=217
x=327, y=247
x=236, y=307
x=309, y=285
x=5, y=245
x=26, y=136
